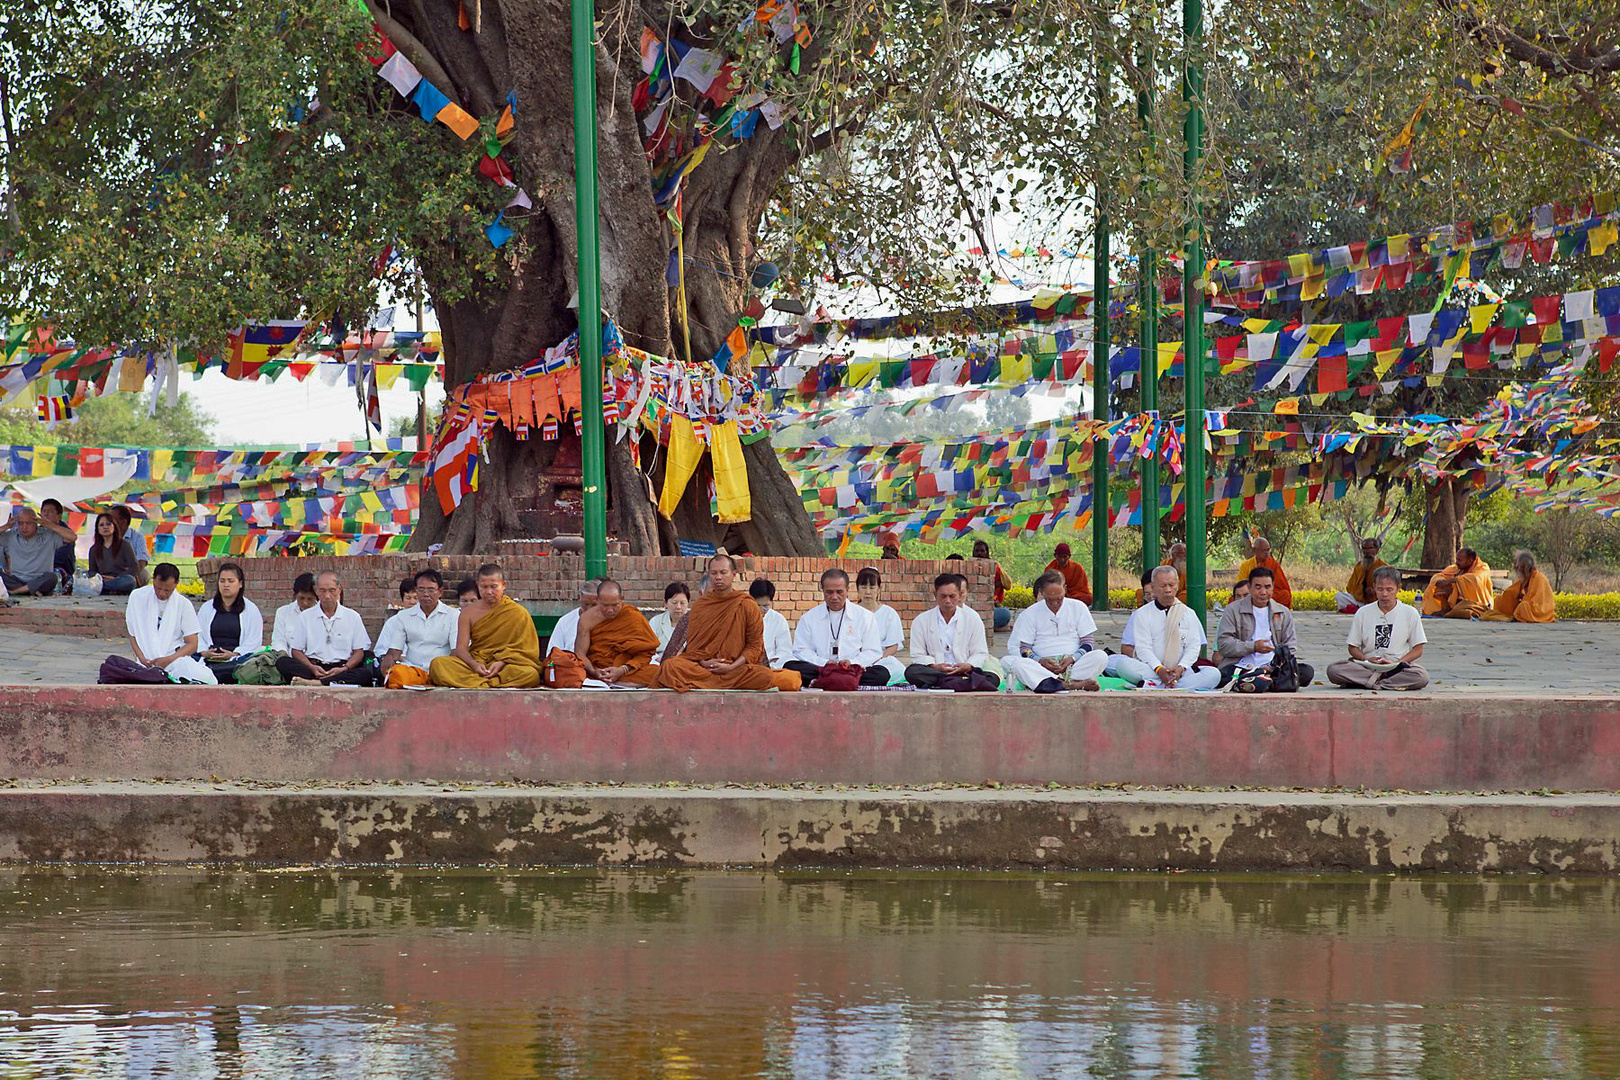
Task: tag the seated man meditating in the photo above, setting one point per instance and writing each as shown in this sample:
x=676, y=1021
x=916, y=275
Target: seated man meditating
x=328, y=642
x=496, y=644
x=836, y=634
x=1167, y=636
x=1359, y=589
x=724, y=643
x=948, y=647
x=162, y=627
x=413, y=638
x=1386, y=640
x=1253, y=628
x=1053, y=645
x=1462, y=590
x=1529, y=599
x=616, y=641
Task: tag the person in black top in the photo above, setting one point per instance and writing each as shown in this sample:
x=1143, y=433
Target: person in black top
x=112, y=557
x=231, y=627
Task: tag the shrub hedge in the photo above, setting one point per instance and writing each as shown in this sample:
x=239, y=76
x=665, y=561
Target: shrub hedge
x=1570, y=605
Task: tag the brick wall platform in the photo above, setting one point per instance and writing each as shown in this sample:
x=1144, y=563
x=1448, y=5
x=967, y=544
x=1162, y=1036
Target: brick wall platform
x=371, y=582
x=91, y=619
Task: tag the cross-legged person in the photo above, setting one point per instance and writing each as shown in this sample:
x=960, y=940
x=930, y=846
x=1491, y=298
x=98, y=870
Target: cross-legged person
x=1167, y=636
x=677, y=602
x=891, y=633
x=949, y=650
x=1386, y=640
x=1053, y=644
x=1462, y=590
x=496, y=643
x=416, y=636
x=287, y=615
x=1359, y=589
x=563, y=634
x=162, y=628
x=232, y=629
x=328, y=643
x=1253, y=629
x=111, y=558
x=834, y=637
x=616, y=641
x=1529, y=599
x=723, y=644
x=29, y=554
x=778, y=634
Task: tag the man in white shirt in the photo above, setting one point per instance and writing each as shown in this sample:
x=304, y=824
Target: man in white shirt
x=287, y=614
x=1386, y=640
x=162, y=627
x=1168, y=635
x=891, y=635
x=412, y=639
x=778, y=635
x=948, y=646
x=329, y=642
x=1053, y=644
x=836, y=632
x=567, y=628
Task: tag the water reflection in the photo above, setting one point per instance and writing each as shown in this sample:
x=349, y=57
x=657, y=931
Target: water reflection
x=137, y=973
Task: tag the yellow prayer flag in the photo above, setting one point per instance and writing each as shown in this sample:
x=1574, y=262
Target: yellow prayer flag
x=162, y=460
x=1480, y=317
x=132, y=374
x=1386, y=360
x=1312, y=287
x=1322, y=333
x=1599, y=237
x=44, y=460
x=1167, y=355
x=388, y=375
x=1300, y=266
x=1286, y=407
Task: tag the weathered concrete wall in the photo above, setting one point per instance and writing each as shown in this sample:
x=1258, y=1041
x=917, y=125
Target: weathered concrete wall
x=1319, y=740
x=418, y=824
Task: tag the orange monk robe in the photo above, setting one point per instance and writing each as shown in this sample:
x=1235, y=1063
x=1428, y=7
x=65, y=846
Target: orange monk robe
x=1471, y=593
x=1528, y=601
x=1075, y=584
x=1281, y=592
x=505, y=634
x=723, y=627
x=626, y=640
x=1360, y=587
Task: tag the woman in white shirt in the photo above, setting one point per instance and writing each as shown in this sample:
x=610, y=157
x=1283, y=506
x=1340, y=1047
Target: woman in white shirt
x=229, y=627
x=778, y=635
x=885, y=621
x=677, y=602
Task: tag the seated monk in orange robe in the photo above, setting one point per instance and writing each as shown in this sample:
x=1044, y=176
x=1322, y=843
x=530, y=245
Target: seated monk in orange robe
x=1462, y=590
x=496, y=644
x=1530, y=598
x=616, y=640
x=725, y=641
x=1076, y=586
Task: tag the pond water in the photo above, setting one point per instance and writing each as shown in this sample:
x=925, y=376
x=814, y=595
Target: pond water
x=197, y=974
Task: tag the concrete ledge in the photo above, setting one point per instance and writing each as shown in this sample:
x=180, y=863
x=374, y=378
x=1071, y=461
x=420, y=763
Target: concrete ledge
x=1323, y=740
x=1071, y=829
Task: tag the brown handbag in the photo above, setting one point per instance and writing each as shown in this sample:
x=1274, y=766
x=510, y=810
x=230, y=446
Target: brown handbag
x=564, y=670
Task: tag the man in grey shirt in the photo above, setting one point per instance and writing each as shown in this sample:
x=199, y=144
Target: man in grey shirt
x=29, y=554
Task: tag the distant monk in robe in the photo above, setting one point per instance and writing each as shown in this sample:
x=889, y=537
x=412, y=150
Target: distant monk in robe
x=1530, y=598
x=496, y=644
x=1281, y=591
x=1462, y=590
x=616, y=640
x=725, y=641
x=1359, y=590
x=1075, y=584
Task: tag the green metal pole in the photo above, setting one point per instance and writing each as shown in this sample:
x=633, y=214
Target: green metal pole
x=1192, y=295
x=1148, y=372
x=1101, y=341
x=593, y=448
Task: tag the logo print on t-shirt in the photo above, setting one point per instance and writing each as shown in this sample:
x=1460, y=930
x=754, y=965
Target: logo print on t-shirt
x=1381, y=635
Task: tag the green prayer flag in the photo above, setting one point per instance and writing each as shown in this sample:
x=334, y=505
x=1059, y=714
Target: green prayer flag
x=67, y=461
x=1516, y=313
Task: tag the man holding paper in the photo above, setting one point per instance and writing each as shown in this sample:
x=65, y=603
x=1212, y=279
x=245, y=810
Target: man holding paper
x=1386, y=640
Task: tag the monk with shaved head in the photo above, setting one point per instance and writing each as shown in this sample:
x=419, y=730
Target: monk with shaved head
x=616, y=641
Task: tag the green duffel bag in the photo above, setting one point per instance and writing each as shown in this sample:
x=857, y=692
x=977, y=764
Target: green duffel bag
x=259, y=670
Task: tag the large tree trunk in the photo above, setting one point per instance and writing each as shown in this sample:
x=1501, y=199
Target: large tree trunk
x=524, y=46
x=1445, y=512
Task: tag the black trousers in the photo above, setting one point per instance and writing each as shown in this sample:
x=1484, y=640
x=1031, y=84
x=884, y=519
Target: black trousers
x=931, y=678
x=808, y=673
x=292, y=668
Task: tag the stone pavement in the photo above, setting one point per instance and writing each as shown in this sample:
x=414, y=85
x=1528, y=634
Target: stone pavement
x=1565, y=657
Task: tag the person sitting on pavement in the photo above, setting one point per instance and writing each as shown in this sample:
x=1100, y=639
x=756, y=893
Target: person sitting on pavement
x=1001, y=615
x=1239, y=591
x=1127, y=637
x=837, y=634
x=1053, y=645
x=721, y=642
x=1281, y=591
x=677, y=601
x=137, y=542
x=466, y=591
x=891, y=633
x=231, y=627
x=1386, y=640
x=949, y=650
x=414, y=637
x=387, y=639
x=1075, y=585
x=1529, y=599
x=1176, y=558
x=496, y=643
x=1252, y=629
x=616, y=641
x=1359, y=589
x=287, y=615
x=1167, y=635
x=1462, y=590
x=163, y=630
x=112, y=558
x=328, y=642
x=778, y=634
x=29, y=555
x=51, y=516
x=563, y=634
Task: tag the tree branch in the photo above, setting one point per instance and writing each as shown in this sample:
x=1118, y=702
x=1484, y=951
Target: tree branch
x=417, y=53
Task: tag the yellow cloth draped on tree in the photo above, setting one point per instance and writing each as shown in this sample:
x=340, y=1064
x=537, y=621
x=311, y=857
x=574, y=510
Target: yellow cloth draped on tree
x=626, y=640
x=505, y=635
x=1528, y=601
x=1360, y=587
x=1471, y=593
x=724, y=627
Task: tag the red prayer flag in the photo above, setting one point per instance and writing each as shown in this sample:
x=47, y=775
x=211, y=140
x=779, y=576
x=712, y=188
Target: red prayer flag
x=1332, y=374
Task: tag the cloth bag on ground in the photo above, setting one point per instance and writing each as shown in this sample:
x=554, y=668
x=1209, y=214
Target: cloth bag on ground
x=122, y=671
x=839, y=675
x=564, y=670
x=259, y=670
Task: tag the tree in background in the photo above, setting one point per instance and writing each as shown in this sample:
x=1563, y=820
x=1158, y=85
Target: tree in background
x=114, y=420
